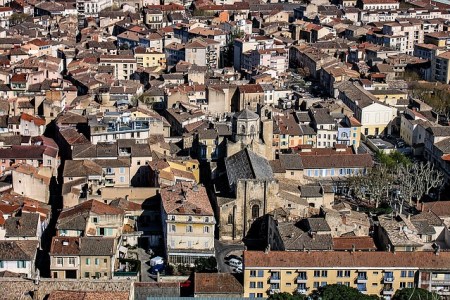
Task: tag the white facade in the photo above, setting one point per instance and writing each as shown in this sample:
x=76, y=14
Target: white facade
x=91, y=8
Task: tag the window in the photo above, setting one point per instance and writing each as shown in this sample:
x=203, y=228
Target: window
x=2, y=265
x=88, y=261
x=21, y=264
x=403, y=274
x=347, y=274
x=122, y=179
x=260, y=284
x=410, y=284
x=251, y=295
x=410, y=273
x=316, y=284
x=260, y=273
x=259, y=295
x=59, y=261
x=230, y=219
x=402, y=285
x=316, y=273
x=189, y=228
x=340, y=274
x=252, y=273
x=122, y=170
x=323, y=283
x=324, y=273
x=173, y=228
x=97, y=261
x=94, y=220
x=206, y=229
x=206, y=219
x=252, y=284
x=255, y=211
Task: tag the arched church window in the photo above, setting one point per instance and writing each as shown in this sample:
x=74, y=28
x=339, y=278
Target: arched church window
x=243, y=129
x=255, y=211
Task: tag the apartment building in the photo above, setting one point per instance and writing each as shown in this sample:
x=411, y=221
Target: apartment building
x=203, y=52
x=378, y=4
x=440, y=68
x=325, y=126
x=85, y=257
x=136, y=124
x=147, y=58
x=91, y=8
x=90, y=218
x=124, y=65
x=188, y=223
x=403, y=34
x=372, y=273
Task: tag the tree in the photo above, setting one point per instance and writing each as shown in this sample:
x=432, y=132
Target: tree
x=286, y=296
x=206, y=265
x=340, y=292
x=415, y=294
x=17, y=18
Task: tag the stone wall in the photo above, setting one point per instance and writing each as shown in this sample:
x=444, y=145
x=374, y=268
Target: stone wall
x=17, y=288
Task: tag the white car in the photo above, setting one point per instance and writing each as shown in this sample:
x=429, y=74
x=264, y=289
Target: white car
x=235, y=263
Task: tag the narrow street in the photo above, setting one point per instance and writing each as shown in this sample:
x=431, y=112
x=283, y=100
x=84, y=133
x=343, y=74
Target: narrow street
x=223, y=249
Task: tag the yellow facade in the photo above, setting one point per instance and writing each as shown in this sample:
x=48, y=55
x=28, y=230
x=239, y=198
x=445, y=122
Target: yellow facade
x=355, y=136
x=151, y=59
x=187, y=166
x=382, y=282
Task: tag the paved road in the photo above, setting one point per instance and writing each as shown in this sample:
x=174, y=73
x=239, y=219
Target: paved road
x=145, y=265
x=222, y=250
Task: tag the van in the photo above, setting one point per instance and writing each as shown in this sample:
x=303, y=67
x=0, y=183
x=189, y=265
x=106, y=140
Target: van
x=235, y=263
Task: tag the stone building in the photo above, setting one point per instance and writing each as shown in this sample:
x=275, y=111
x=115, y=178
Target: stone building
x=254, y=193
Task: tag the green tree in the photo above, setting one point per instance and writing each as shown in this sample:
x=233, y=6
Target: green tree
x=17, y=18
x=392, y=160
x=340, y=292
x=287, y=296
x=415, y=294
x=206, y=265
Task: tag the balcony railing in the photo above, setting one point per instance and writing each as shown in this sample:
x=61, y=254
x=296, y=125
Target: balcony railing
x=388, y=278
x=302, y=279
x=274, y=279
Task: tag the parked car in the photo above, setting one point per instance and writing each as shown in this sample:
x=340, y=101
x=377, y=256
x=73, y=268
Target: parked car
x=185, y=284
x=236, y=263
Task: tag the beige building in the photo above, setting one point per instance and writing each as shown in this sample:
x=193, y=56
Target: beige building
x=440, y=68
x=372, y=273
x=203, y=52
x=188, y=223
x=124, y=65
x=82, y=258
x=147, y=58
x=32, y=182
x=91, y=218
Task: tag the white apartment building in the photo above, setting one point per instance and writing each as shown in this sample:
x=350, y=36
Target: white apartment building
x=402, y=35
x=124, y=65
x=91, y=8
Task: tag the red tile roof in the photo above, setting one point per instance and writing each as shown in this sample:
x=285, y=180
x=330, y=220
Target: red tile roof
x=358, y=242
x=217, y=283
x=37, y=121
x=346, y=259
x=186, y=198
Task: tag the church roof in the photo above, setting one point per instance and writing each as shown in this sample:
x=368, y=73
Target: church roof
x=246, y=164
x=246, y=114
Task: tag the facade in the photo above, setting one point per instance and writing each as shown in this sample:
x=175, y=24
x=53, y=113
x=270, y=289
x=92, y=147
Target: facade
x=188, y=223
x=372, y=273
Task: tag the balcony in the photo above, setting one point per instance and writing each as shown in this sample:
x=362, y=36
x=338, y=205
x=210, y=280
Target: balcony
x=388, y=278
x=274, y=279
x=361, y=279
x=388, y=292
x=302, y=279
